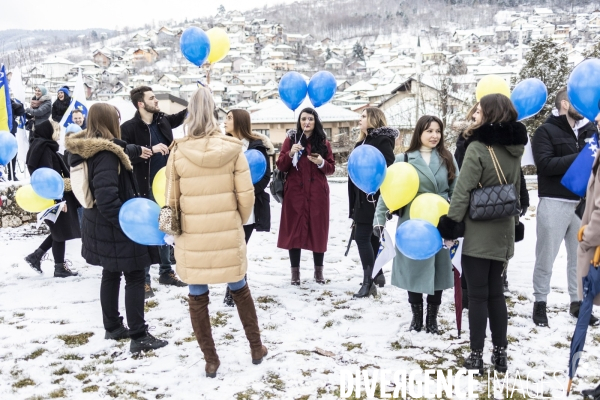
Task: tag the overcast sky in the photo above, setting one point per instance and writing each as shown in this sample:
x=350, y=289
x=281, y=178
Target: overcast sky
x=69, y=14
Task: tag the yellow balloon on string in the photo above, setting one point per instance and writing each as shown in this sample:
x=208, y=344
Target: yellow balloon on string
x=430, y=207
x=492, y=84
x=219, y=44
x=159, y=185
x=29, y=201
x=400, y=185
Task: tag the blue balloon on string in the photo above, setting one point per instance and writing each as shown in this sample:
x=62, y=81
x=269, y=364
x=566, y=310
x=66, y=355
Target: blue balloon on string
x=138, y=218
x=195, y=45
x=292, y=90
x=367, y=168
x=583, y=88
x=257, y=163
x=47, y=183
x=8, y=147
x=321, y=88
x=529, y=97
x=418, y=239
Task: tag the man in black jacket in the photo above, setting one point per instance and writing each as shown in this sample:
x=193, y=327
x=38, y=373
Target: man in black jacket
x=556, y=144
x=152, y=131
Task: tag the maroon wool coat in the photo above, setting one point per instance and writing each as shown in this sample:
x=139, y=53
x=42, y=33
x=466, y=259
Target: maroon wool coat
x=305, y=211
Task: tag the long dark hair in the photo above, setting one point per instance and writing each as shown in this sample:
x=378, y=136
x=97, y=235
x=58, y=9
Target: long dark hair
x=415, y=143
x=495, y=108
x=242, y=124
x=318, y=137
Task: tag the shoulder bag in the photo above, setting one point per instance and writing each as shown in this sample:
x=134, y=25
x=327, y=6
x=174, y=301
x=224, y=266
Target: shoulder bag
x=169, y=219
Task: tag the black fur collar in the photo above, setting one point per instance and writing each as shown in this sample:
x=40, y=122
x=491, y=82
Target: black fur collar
x=504, y=133
x=384, y=131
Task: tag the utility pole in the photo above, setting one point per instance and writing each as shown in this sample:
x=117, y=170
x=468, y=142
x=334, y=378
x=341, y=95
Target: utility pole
x=418, y=88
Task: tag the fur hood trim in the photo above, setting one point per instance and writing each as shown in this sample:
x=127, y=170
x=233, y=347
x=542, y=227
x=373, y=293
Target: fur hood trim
x=267, y=142
x=291, y=133
x=384, y=131
x=43, y=98
x=88, y=147
x=504, y=133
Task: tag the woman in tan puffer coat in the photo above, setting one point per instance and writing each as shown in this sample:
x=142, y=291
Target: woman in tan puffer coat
x=212, y=189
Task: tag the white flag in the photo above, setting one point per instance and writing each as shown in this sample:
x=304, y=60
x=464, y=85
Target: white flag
x=527, y=158
x=16, y=85
x=77, y=100
x=386, y=252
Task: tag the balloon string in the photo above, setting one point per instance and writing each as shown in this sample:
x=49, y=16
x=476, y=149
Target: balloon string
x=372, y=198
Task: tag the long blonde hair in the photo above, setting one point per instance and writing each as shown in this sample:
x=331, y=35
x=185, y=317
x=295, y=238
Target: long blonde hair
x=375, y=119
x=200, y=121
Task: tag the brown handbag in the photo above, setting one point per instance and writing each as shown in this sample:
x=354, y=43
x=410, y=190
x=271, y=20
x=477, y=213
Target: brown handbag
x=169, y=220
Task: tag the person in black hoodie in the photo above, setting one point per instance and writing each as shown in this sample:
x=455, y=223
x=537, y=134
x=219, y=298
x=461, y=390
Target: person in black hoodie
x=375, y=132
x=43, y=153
x=60, y=106
x=555, y=145
x=104, y=242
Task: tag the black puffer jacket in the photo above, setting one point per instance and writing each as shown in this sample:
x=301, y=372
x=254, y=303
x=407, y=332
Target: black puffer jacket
x=262, y=207
x=361, y=210
x=112, y=184
x=59, y=107
x=555, y=147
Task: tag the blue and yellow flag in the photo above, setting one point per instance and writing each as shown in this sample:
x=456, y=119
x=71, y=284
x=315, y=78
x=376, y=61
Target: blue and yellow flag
x=6, y=118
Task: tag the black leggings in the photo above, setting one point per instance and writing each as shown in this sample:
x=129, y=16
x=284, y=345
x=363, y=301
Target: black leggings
x=295, y=258
x=58, y=249
x=417, y=298
x=134, y=300
x=486, y=299
x=367, y=244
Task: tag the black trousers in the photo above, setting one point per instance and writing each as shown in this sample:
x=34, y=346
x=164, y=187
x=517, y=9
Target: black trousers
x=486, y=299
x=367, y=244
x=417, y=298
x=134, y=301
x=295, y=258
x=248, y=229
x=58, y=249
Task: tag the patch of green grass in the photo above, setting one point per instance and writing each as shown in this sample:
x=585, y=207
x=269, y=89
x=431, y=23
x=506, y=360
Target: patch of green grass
x=228, y=336
x=270, y=327
x=22, y=383
x=339, y=304
x=35, y=354
x=266, y=300
x=89, y=389
x=327, y=372
x=511, y=339
x=521, y=298
x=303, y=352
x=308, y=372
x=71, y=356
x=61, y=322
x=328, y=324
x=81, y=376
x=58, y=393
x=144, y=354
x=327, y=293
x=246, y=395
x=305, y=397
x=352, y=317
x=76, y=340
x=351, y=346
x=150, y=304
x=62, y=371
x=274, y=381
x=191, y=338
x=220, y=319
x=19, y=314
x=57, y=381
x=560, y=345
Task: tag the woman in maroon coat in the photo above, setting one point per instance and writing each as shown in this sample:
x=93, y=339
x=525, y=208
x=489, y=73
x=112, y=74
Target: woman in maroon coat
x=307, y=158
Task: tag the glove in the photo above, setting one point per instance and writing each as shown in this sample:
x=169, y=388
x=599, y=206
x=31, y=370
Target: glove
x=377, y=229
x=450, y=229
x=524, y=209
x=519, y=232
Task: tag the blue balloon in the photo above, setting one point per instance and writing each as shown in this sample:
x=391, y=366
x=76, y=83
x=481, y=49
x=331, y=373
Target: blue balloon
x=8, y=147
x=139, y=220
x=257, y=163
x=321, y=88
x=367, y=168
x=47, y=183
x=418, y=239
x=583, y=88
x=529, y=97
x=292, y=90
x=195, y=45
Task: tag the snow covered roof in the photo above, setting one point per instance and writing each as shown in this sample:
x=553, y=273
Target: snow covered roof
x=279, y=113
x=58, y=60
x=360, y=86
x=333, y=61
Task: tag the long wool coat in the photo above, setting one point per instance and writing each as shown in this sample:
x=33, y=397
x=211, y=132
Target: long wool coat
x=435, y=273
x=212, y=188
x=305, y=211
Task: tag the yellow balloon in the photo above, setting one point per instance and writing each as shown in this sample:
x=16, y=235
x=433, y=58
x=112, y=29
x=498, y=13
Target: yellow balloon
x=29, y=201
x=159, y=186
x=430, y=207
x=219, y=44
x=400, y=185
x=491, y=84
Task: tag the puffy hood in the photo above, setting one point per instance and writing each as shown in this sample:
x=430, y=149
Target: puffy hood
x=267, y=142
x=42, y=99
x=384, y=131
x=86, y=148
x=209, y=152
x=512, y=135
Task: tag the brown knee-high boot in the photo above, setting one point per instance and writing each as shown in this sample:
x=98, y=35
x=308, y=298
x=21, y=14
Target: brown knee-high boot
x=247, y=312
x=201, y=325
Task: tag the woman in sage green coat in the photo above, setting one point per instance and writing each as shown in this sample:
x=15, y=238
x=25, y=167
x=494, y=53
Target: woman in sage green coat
x=437, y=172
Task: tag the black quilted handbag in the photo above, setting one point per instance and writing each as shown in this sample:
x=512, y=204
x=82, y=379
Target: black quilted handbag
x=494, y=202
x=277, y=185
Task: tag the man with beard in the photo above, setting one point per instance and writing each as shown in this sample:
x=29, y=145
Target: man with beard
x=152, y=131
x=556, y=144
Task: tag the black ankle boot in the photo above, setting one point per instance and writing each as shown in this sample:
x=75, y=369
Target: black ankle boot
x=500, y=359
x=61, y=270
x=35, y=260
x=380, y=279
x=431, y=325
x=368, y=287
x=475, y=361
x=417, y=321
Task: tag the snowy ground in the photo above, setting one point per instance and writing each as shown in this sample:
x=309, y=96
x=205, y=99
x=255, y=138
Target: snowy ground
x=52, y=341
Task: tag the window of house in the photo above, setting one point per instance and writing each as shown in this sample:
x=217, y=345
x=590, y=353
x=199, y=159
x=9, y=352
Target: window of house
x=263, y=131
x=328, y=133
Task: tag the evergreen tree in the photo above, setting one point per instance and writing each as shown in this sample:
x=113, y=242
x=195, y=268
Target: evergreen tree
x=357, y=52
x=94, y=35
x=221, y=10
x=594, y=52
x=457, y=66
x=328, y=54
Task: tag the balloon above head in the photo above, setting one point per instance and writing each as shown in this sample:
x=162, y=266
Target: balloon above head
x=138, y=218
x=159, y=185
x=257, y=164
x=8, y=147
x=321, y=88
x=400, y=186
x=418, y=239
x=583, y=88
x=219, y=44
x=529, y=97
x=367, y=168
x=195, y=45
x=492, y=84
x=29, y=201
x=292, y=90
x=429, y=207
x=47, y=183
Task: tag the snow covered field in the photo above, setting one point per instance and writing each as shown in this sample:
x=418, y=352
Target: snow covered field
x=52, y=340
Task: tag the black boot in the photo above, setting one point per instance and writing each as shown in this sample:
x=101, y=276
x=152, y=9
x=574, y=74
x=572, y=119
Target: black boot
x=122, y=332
x=539, y=313
x=431, y=325
x=61, y=270
x=417, y=321
x=475, y=361
x=146, y=342
x=380, y=279
x=35, y=260
x=500, y=359
x=574, y=311
x=368, y=287
x=228, y=300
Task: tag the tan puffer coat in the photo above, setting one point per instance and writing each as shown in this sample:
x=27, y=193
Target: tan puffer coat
x=213, y=190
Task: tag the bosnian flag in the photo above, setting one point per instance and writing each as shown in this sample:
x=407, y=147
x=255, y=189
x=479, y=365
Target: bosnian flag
x=577, y=176
x=6, y=118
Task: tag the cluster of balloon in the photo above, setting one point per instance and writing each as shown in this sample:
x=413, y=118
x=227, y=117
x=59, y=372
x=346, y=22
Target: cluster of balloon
x=583, y=88
x=200, y=47
x=159, y=185
x=429, y=207
x=46, y=186
x=367, y=168
x=529, y=97
x=29, y=201
x=257, y=164
x=417, y=239
x=400, y=185
x=138, y=218
x=320, y=89
x=492, y=84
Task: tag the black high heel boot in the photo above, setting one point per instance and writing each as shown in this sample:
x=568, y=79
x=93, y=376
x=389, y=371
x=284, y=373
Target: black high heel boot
x=475, y=361
x=417, y=321
x=368, y=286
x=500, y=359
x=431, y=325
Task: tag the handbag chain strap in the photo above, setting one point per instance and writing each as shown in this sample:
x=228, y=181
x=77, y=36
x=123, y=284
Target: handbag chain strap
x=497, y=165
x=171, y=177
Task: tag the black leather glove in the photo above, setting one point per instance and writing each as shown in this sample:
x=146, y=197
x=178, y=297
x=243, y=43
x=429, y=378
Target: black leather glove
x=450, y=229
x=377, y=230
x=519, y=232
x=524, y=208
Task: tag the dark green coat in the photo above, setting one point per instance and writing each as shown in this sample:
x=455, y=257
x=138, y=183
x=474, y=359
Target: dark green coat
x=435, y=273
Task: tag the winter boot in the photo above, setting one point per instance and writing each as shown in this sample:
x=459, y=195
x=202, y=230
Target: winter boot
x=201, y=324
x=417, y=321
x=500, y=359
x=296, y=276
x=148, y=292
x=122, y=332
x=368, y=287
x=594, y=394
x=146, y=342
x=319, y=275
x=539, y=313
x=171, y=279
x=35, y=260
x=61, y=270
x=380, y=279
x=574, y=311
x=475, y=361
x=431, y=325
x=247, y=312
x=228, y=300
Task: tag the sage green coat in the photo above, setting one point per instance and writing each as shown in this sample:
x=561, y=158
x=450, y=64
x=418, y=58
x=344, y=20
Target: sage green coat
x=435, y=273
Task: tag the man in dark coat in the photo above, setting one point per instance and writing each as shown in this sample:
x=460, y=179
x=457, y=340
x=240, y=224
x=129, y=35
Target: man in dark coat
x=152, y=131
x=17, y=111
x=555, y=145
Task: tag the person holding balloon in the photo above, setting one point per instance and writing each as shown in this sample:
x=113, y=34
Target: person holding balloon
x=238, y=125
x=375, y=132
x=435, y=173
x=494, y=147
x=307, y=159
x=43, y=160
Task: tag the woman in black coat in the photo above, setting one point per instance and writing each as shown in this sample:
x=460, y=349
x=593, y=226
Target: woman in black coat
x=104, y=243
x=43, y=154
x=374, y=132
x=60, y=106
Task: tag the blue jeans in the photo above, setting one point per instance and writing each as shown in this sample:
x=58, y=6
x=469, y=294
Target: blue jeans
x=198, y=290
x=165, y=262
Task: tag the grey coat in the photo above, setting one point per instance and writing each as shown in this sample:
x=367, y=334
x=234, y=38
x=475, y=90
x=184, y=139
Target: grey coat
x=435, y=273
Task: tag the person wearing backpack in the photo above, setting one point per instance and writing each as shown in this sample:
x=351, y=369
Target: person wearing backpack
x=109, y=184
